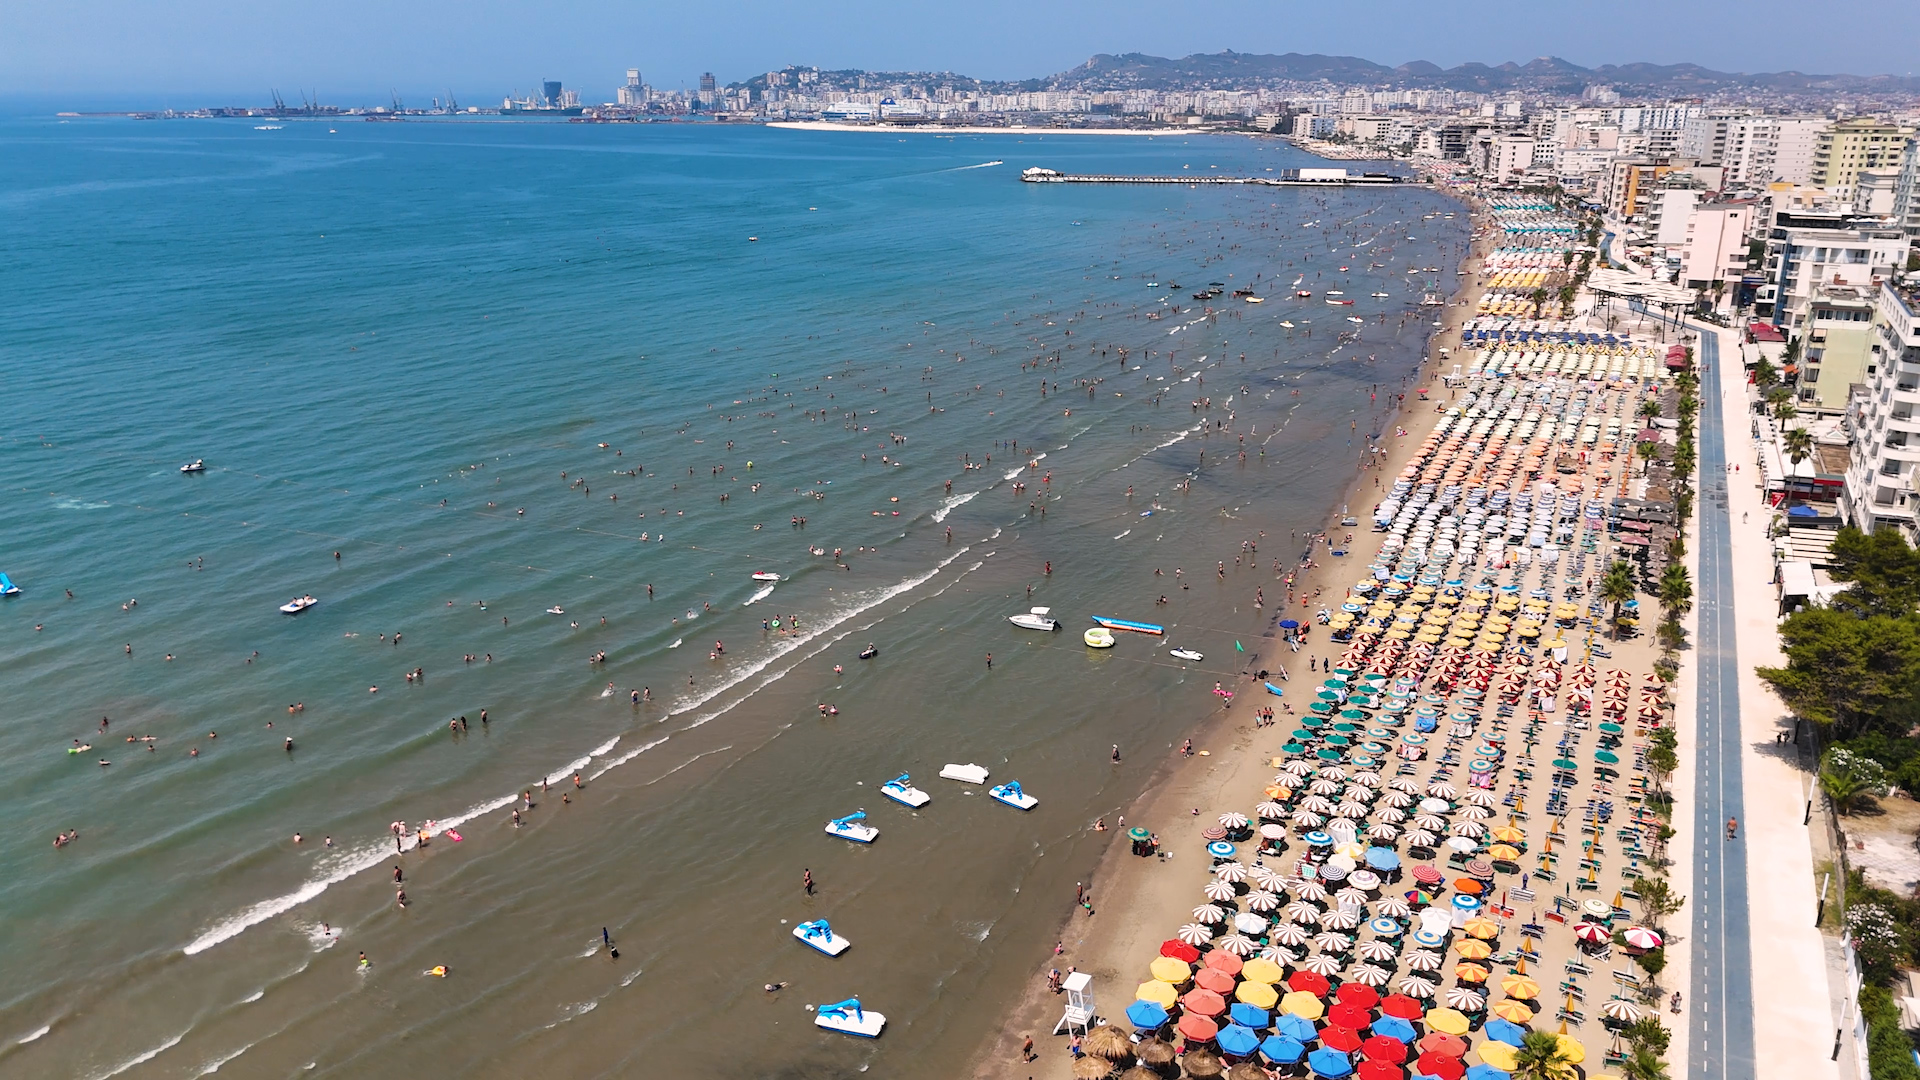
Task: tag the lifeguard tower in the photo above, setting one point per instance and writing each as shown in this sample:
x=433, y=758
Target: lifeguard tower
x=1079, y=1011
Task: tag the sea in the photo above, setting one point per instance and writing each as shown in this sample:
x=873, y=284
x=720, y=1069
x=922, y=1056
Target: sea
x=525, y=406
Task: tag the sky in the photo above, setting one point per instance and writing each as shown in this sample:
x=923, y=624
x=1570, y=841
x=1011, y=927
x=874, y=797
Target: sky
x=200, y=52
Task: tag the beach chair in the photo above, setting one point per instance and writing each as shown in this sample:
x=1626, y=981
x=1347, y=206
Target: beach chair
x=1575, y=967
x=1627, y=978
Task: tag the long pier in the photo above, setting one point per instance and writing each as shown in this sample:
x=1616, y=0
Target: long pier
x=1284, y=178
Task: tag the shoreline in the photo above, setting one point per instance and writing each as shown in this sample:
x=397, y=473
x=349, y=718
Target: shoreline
x=1148, y=905
x=923, y=129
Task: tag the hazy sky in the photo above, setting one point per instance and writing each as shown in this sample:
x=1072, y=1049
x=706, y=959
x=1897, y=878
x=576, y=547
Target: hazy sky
x=355, y=50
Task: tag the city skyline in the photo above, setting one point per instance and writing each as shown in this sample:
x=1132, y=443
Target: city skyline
x=481, y=51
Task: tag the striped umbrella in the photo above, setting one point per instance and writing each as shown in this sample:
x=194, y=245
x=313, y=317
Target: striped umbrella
x=1618, y=1009
x=1390, y=815
x=1369, y=975
x=1289, y=935
x=1332, y=942
x=1382, y=832
x=1194, y=934
x=1424, y=960
x=1393, y=907
x=1230, y=871
x=1279, y=955
x=1266, y=877
x=1309, y=889
x=1209, y=913
x=1375, y=950
x=1415, y=986
x=1272, y=811
x=1302, y=912
x=1262, y=901
x=1321, y=964
x=1237, y=944
x=1467, y=1000
x=1339, y=919
x=1219, y=890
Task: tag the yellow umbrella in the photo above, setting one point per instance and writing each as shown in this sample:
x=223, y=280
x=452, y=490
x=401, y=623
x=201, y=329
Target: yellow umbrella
x=1503, y=852
x=1515, y=1011
x=1305, y=1005
x=1507, y=834
x=1470, y=972
x=1257, y=994
x=1170, y=970
x=1570, y=1046
x=1520, y=986
x=1520, y=806
x=1352, y=851
x=1520, y=968
x=1482, y=927
x=1617, y=897
x=1157, y=992
x=1451, y=1021
x=1473, y=950
x=1260, y=969
x=1275, y=791
x=1497, y=1054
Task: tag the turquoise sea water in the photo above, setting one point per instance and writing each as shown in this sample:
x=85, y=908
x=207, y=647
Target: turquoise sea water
x=390, y=340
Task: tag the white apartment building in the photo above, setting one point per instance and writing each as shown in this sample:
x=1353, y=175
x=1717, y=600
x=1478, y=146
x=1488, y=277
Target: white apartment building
x=1808, y=251
x=1704, y=138
x=1762, y=149
x=1879, y=492
x=1715, y=248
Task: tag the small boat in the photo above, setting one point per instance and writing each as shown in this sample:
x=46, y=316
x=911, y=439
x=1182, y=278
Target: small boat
x=1341, y=303
x=1011, y=794
x=966, y=774
x=1186, y=654
x=7, y=587
x=849, y=828
x=1335, y=292
x=1381, y=295
x=869, y=652
x=194, y=466
x=1098, y=637
x=1302, y=294
x=847, y=1018
x=821, y=936
x=1355, y=319
x=1128, y=624
x=1035, y=619
x=1286, y=323
x=556, y=610
x=766, y=576
x=298, y=604
x=901, y=790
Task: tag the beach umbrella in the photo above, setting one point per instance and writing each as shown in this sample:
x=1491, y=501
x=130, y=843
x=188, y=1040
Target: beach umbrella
x=1359, y=995
x=1214, y=979
x=1391, y=815
x=1304, y=1005
x=1279, y=955
x=1179, y=950
x=1385, y=927
x=1170, y=970
x=1309, y=889
x=1230, y=871
x=1401, y=783
x=1273, y=832
x=1157, y=992
x=1197, y=1028
x=1503, y=853
x=1106, y=1041
x=1463, y=844
x=1399, y=798
x=1482, y=927
x=1330, y=1063
x=1376, y=950
x=1271, y=810
x=1369, y=975
x=1442, y=1042
x=1420, y=838
x=1339, y=1036
x=1220, y=890
x=1520, y=986
x=1194, y=934
x=1473, y=949
x=1262, y=901
x=1298, y=1028
x=1470, y=972
x=1319, y=804
x=1382, y=831
x=1309, y=981
x=1308, y=819
x=1322, y=964
x=1512, y=1010
x=1146, y=1015
x=1339, y=919
x=1402, y=1007
x=1484, y=1071
x=1641, y=938
x=1266, y=877
x=1289, y=935
x=1155, y=1053
x=1092, y=1067
x=1331, y=772
x=1282, y=1049
x=1263, y=971
x=1383, y=1048
x=1450, y=1021
x=1441, y=790
x=1251, y=1016
x=1349, y=808
x=1440, y=1066
x=1393, y=907
x=1422, y=960
x=1248, y=923
x=1259, y=995
x=1302, y=912
x=1467, y=828
x=1621, y=1009
x=1592, y=933
x=1237, y=944
x=1234, y=820
x=1415, y=986
x=1203, y=1064
x=1394, y=1027
x=1475, y=813
x=1430, y=822
x=1209, y=913
x=1329, y=941
x=1203, y=1002
x=1462, y=998
x=1504, y=1030
x=1574, y=1049
x=1238, y=1040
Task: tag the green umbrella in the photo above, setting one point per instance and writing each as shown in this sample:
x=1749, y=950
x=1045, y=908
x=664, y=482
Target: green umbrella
x=1607, y=756
x=1292, y=749
x=1336, y=740
x=1302, y=733
x=1612, y=729
x=1345, y=728
x=1315, y=720
x=1352, y=714
x=1142, y=835
x=1563, y=763
x=1329, y=755
x=1336, y=684
x=1361, y=759
x=1326, y=695
x=1344, y=672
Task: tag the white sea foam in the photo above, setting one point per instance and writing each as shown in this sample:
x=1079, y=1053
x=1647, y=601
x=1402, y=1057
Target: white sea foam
x=33, y=1035
x=1123, y=534
x=142, y=1059
x=947, y=505
x=759, y=595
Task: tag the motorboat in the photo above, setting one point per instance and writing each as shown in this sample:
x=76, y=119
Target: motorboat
x=1128, y=624
x=766, y=576
x=966, y=774
x=848, y=1018
x=1011, y=794
x=870, y=651
x=194, y=466
x=819, y=935
x=1302, y=294
x=1186, y=654
x=7, y=587
x=1256, y=299
x=1341, y=303
x=1381, y=295
x=1098, y=637
x=849, y=828
x=298, y=604
x=901, y=790
x=1035, y=619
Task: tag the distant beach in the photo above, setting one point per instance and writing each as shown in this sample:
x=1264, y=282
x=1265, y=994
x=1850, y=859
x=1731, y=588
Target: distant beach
x=930, y=129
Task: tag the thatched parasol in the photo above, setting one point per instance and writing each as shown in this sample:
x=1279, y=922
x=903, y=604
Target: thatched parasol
x=1140, y=1072
x=1246, y=1070
x=1155, y=1053
x=1106, y=1041
x=1203, y=1065
x=1092, y=1067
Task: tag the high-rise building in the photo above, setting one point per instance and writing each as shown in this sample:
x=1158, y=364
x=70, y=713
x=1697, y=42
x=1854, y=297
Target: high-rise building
x=634, y=94
x=1852, y=145
x=708, y=95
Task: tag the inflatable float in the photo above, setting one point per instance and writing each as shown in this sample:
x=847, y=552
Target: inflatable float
x=1128, y=624
x=848, y=1018
x=1098, y=637
x=821, y=936
x=849, y=828
x=298, y=605
x=7, y=587
x=966, y=774
x=901, y=790
x=1011, y=794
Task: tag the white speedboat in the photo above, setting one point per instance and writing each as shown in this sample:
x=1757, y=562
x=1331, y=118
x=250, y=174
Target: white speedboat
x=850, y=828
x=1011, y=794
x=901, y=790
x=298, y=604
x=196, y=465
x=766, y=576
x=1098, y=637
x=1035, y=619
x=1186, y=654
x=848, y=1018
x=821, y=936
x=966, y=774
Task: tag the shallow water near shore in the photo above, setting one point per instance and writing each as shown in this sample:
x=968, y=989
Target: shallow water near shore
x=389, y=340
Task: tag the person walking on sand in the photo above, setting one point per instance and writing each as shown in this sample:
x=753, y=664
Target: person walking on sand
x=1026, y=1050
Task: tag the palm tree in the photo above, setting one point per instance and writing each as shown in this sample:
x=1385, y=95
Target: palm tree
x=1644, y=1064
x=1540, y=1057
x=1648, y=410
x=1616, y=588
x=1647, y=449
x=1842, y=789
x=1675, y=590
x=1798, y=445
x=1765, y=374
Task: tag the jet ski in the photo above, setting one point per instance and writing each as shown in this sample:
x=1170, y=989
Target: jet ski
x=766, y=576
x=194, y=466
x=1186, y=654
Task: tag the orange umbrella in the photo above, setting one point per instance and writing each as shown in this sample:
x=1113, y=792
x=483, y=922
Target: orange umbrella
x=1482, y=927
x=1520, y=986
x=1517, y=1012
x=1463, y=972
x=1213, y=979
x=1473, y=949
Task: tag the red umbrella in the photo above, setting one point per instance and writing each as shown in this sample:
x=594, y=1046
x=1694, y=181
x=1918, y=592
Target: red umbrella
x=1360, y=994
x=1444, y=1066
x=1426, y=874
x=1306, y=980
x=1379, y=1070
x=1593, y=932
x=1179, y=950
x=1439, y=1042
x=1208, y=978
x=1381, y=1048
x=1352, y=1017
x=1345, y=1039
x=1224, y=961
x=1402, y=1006
x=1203, y=1003
x=1197, y=1029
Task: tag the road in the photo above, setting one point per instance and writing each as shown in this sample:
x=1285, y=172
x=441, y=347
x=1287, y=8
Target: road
x=1720, y=1009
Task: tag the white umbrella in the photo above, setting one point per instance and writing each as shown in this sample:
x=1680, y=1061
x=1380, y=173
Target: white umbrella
x=1370, y=779
x=1382, y=832
x=1350, y=809
x=1332, y=942
x=1475, y=813
x=1308, y=819
x=1619, y=1009
x=1237, y=944
x=1429, y=822
x=1479, y=797
x=1338, y=919
x=1316, y=804
x=1397, y=798
x=1272, y=811
x=1262, y=901
x=1209, y=913
x=1375, y=950
x=1441, y=789
x=1468, y=828
x=1323, y=965
x=1359, y=793
x=1332, y=772
x=1368, y=975
x=1296, y=769
x=1308, y=889
x=1302, y=912
x=1462, y=998
x=1420, y=838
x=1273, y=832
x=1390, y=815
x=1393, y=907
x=1234, y=820
x=1401, y=783
x=1230, y=871
x=1267, y=878
x=1353, y=898
x=1424, y=961
x=1194, y=934
x=1463, y=844
x=1415, y=986
x=1436, y=806
x=1323, y=787
x=1289, y=935
x=1279, y=955
x=1219, y=890
x=1248, y=923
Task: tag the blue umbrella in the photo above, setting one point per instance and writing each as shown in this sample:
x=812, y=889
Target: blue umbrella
x=1504, y=1031
x=1484, y=1071
x=1296, y=1027
x=1385, y=927
x=1249, y=1015
x=1382, y=858
x=1393, y=1028
x=1146, y=1015
x=1330, y=1063
x=1282, y=1050
x=1237, y=1040
x=1318, y=838
x=1220, y=849
x=1289, y=624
